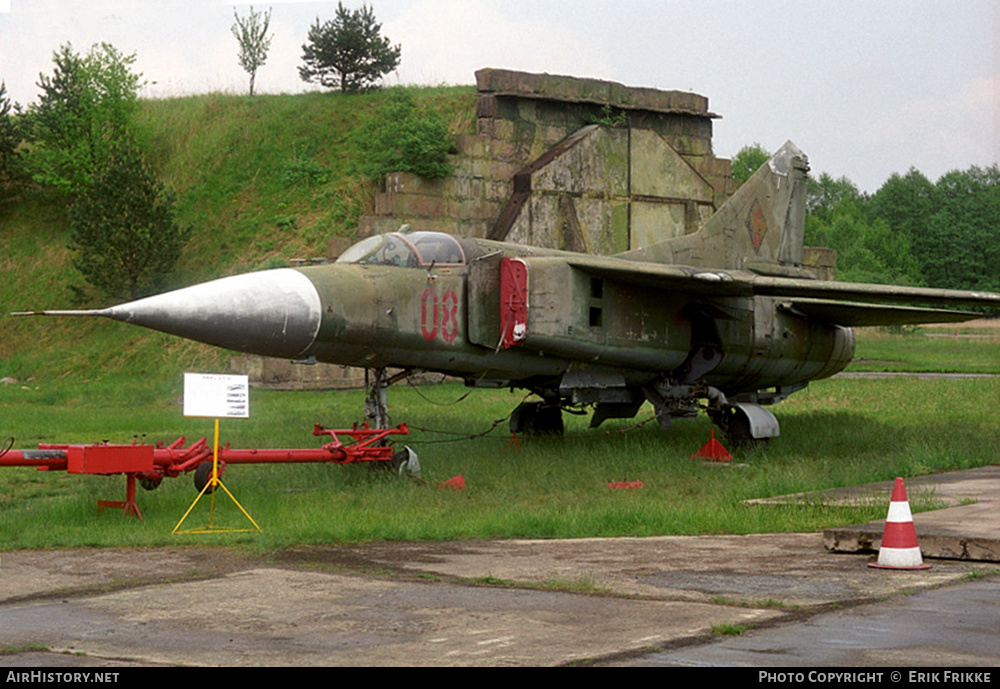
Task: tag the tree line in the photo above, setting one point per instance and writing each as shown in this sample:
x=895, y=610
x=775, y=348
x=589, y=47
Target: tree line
x=79, y=141
x=348, y=52
x=911, y=231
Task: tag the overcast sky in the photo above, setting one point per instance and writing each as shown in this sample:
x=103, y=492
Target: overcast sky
x=864, y=88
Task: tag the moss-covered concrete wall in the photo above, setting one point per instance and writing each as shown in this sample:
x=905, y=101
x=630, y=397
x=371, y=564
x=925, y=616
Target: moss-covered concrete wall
x=563, y=162
x=571, y=163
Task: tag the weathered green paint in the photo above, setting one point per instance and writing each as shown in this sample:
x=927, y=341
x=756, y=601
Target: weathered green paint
x=734, y=314
x=726, y=319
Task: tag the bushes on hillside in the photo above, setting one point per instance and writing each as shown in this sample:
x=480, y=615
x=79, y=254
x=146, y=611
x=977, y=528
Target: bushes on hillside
x=86, y=104
x=401, y=137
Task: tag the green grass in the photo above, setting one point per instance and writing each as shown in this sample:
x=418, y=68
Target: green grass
x=23, y=648
x=836, y=433
x=266, y=179
x=728, y=629
x=960, y=348
x=269, y=178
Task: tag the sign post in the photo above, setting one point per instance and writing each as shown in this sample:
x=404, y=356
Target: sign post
x=215, y=396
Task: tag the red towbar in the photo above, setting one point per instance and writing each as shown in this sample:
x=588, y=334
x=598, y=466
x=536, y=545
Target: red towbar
x=151, y=463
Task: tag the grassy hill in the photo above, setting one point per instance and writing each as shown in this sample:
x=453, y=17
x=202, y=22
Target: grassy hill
x=259, y=180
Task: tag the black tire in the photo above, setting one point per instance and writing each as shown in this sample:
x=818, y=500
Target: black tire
x=150, y=481
x=401, y=463
x=202, y=476
x=736, y=425
x=537, y=418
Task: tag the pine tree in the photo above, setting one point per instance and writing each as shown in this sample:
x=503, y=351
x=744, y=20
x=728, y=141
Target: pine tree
x=348, y=52
x=10, y=137
x=123, y=229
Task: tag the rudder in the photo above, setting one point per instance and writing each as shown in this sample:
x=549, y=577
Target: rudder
x=760, y=227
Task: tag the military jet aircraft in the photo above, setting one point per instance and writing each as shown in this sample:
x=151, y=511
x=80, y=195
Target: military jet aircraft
x=725, y=320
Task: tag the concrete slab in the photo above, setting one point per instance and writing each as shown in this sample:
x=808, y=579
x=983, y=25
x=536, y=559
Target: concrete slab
x=968, y=531
x=954, y=627
x=426, y=604
x=280, y=617
x=788, y=572
x=524, y=602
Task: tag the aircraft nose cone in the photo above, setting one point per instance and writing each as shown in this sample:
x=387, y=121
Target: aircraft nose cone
x=273, y=313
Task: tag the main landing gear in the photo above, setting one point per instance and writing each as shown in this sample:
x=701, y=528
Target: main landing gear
x=745, y=424
x=537, y=418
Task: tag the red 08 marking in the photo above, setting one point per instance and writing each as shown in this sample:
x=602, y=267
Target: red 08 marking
x=449, y=319
x=439, y=315
x=429, y=332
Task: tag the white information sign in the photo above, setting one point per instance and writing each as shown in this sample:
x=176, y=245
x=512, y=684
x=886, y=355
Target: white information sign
x=216, y=396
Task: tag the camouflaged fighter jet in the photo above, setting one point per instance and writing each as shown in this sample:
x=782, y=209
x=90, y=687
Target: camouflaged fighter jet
x=725, y=320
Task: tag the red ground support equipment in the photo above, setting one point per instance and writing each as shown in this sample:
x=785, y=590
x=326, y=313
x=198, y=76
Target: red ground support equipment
x=151, y=463
x=625, y=485
x=713, y=451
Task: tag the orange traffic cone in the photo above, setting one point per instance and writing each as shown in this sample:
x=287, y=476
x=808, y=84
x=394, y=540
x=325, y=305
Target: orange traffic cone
x=713, y=451
x=899, y=549
x=454, y=483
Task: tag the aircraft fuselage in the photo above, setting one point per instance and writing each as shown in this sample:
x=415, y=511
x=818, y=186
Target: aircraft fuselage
x=450, y=319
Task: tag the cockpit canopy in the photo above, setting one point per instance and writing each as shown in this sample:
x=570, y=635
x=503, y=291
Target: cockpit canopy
x=409, y=250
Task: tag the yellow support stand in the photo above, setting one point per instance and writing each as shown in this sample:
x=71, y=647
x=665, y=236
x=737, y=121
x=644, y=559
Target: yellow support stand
x=213, y=483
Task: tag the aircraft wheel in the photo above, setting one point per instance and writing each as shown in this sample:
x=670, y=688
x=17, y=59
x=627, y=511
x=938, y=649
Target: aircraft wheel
x=202, y=475
x=537, y=418
x=738, y=430
x=405, y=463
x=150, y=482
x=399, y=462
x=736, y=425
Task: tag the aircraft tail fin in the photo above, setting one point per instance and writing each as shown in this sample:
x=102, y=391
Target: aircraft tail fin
x=760, y=228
